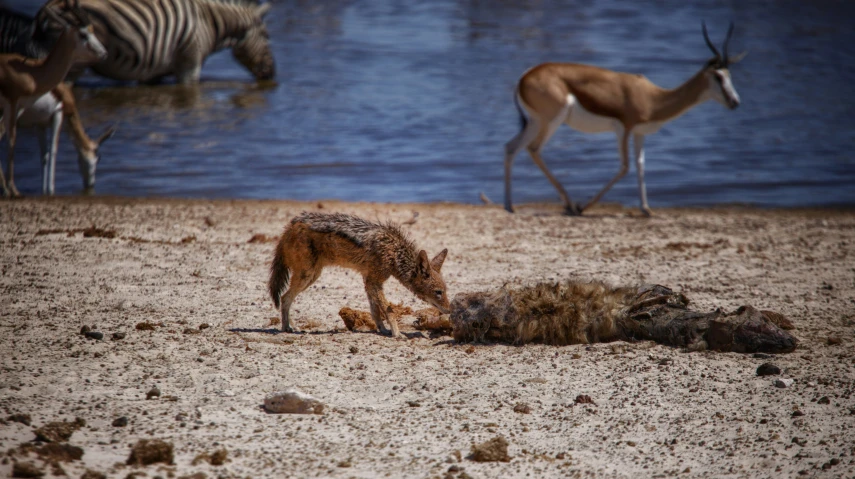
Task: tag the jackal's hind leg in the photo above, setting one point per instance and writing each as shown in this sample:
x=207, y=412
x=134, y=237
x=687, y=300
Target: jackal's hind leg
x=299, y=283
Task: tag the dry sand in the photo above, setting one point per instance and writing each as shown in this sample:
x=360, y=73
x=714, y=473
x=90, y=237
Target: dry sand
x=412, y=408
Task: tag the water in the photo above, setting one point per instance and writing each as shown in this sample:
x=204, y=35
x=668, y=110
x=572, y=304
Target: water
x=400, y=101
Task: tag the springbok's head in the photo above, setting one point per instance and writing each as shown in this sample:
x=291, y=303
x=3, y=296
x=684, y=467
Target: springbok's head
x=253, y=50
x=718, y=73
x=87, y=48
x=88, y=157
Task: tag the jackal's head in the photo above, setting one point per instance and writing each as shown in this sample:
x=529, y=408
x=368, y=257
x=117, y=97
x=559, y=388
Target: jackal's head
x=428, y=284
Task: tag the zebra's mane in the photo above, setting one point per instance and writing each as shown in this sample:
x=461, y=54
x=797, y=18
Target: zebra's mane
x=247, y=3
x=17, y=35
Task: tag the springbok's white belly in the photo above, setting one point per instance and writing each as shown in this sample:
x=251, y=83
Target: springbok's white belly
x=583, y=120
x=39, y=112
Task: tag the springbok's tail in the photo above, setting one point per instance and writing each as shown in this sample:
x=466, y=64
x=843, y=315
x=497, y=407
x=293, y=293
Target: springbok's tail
x=279, y=274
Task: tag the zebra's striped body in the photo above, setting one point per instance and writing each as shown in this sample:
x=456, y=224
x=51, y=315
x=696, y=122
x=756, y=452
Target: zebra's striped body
x=147, y=40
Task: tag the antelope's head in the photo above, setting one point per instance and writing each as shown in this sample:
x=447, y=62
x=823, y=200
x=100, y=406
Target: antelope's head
x=718, y=71
x=253, y=50
x=88, y=157
x=87, y=47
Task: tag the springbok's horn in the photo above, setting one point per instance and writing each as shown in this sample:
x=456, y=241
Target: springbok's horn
x=707, y=39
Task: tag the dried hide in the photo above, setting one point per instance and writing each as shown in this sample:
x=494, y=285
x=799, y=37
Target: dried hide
x=581, y=313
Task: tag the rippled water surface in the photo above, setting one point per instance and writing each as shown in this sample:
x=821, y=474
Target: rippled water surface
x=413, y=101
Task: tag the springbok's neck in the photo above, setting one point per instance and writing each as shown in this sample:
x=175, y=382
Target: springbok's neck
x=53, y=69
x=671, y=103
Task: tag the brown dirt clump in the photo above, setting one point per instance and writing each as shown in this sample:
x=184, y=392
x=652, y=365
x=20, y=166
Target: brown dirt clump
x=58, y=431
x=150, y=451
x=356, y=320
x=90, y=474
x=216, y=458
x=26, y=469
x=54, y=452
x=494, y=450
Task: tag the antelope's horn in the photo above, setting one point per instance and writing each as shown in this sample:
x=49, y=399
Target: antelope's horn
x=707, y=39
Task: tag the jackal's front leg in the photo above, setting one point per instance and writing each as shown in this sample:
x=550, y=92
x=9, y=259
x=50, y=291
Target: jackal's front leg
x=379, y=307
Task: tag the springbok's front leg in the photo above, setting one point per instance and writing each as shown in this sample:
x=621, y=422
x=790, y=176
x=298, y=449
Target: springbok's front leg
x=623, y=147
x=638, y=146
x=11, y=119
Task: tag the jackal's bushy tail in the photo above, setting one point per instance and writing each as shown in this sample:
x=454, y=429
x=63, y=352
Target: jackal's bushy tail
x=279, y=275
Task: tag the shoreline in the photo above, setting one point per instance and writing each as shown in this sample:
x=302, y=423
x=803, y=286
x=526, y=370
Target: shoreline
x=413, y=408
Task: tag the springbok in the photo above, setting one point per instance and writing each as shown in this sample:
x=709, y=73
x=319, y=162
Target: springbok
x=46, y=115
x=24, y=80
x=595, y=100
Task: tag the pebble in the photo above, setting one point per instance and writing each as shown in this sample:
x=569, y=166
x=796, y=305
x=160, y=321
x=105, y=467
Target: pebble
x=97, y=335
x=150, y=451
x=152, y=393
x=118, y=336
x=783, y=383
x=120, y=421
x=768, y=369
x=292, y=401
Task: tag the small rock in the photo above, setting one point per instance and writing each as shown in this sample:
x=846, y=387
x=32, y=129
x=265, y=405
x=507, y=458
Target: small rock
x=354, y=350
x=824, y=400
x=204, y=326
x=797, y=413
x=454, y=468
x=120, y=421
x=150, y=451
x=522, y=408
x=90, y=474
x=26, y=469
x=292, y=401
x=154, y=392
x=783, y=383
x=53, y=452
x=833, y=340
x=85, y=329
x=96, y=335
x=145, y=326
x=58, y=431
x=494, y=450
x=24, y=419
x=768, y=369
x=345, y=463
x=413, y=404
x=584, y=399
x=218, y=458
x=118, y=336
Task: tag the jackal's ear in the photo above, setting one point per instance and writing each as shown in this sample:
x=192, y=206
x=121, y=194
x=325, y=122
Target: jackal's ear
x=436, y=262
x=424, y=264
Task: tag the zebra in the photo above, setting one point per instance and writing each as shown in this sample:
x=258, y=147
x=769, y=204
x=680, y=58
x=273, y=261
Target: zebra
x=148, y=40
x=18, y=34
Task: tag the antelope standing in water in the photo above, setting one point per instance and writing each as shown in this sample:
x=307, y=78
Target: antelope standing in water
x=595, y=100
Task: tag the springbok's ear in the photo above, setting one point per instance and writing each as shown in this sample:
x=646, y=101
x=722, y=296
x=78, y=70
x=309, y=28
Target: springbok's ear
x=108, y=133
x=737, y=58
x=436, y=262
x=263, y=9
x=424, y=264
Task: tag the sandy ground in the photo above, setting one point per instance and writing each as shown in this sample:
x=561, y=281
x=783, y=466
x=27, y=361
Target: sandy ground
x=411, y=408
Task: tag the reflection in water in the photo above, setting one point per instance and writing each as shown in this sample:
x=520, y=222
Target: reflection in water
x=398, y=100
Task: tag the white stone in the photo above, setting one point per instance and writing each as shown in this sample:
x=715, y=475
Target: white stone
x=783, y=383
x=292, y=401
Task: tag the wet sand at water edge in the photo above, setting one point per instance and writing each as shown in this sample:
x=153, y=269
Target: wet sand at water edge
x=413, y=408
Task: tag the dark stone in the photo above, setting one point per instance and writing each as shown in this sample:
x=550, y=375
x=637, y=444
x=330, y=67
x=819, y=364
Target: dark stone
x=85, y=329
x=153, y=393
x=118, y=336
x=768, y=369
x=96, y=335
x=120, y=421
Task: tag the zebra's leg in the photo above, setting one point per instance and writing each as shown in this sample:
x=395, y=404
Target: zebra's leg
x=188, y=64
